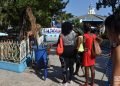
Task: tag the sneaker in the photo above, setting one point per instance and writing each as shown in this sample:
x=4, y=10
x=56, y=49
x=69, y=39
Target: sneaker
x=71, y=82
x=60, y=84
x=86, y=84
x=65, y=84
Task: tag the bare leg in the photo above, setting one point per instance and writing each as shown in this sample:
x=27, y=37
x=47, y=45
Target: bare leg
x=77, y=68
x=86, y=75
x=83, y=70
x=92, y=75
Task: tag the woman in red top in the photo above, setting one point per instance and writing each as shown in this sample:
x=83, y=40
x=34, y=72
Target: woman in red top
x=88, y=59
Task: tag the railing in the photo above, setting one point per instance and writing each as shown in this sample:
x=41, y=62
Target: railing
x=13, y=51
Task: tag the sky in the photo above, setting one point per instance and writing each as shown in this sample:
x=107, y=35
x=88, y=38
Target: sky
x=80, y=7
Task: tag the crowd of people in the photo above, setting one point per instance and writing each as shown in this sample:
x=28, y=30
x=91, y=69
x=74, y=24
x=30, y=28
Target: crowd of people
x=78, y=49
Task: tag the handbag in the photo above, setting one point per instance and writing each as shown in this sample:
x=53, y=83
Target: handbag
x=96, y=50
x=59, y=49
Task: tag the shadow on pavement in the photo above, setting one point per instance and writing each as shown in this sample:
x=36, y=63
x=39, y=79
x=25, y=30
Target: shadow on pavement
x=100, y=82
x=78, y=81
x=38, y=72
x=101, y=63
x=81, y=82
x=54, y=73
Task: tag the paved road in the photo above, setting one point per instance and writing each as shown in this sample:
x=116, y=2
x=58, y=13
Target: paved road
x=30, y=78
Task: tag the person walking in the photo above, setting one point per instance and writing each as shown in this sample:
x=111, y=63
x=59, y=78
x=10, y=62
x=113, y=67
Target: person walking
x=68, y=56
x=79, y=53
x=88, y=59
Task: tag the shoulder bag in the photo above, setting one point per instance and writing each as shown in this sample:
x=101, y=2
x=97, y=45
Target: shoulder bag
x=96, y=50
x=59, y=49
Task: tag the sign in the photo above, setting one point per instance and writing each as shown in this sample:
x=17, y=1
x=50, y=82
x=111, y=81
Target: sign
x=51, y=30
x=51, y=34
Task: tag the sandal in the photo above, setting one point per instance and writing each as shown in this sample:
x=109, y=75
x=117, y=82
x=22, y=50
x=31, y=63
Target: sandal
x=92, y=84
x=86, y=84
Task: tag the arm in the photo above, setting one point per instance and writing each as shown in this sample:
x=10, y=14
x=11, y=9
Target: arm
x=99, y=39
x=116, y=66
x=78, y=42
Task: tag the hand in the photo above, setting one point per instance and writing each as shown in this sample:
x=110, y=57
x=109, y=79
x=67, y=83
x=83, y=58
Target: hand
x=86, y=49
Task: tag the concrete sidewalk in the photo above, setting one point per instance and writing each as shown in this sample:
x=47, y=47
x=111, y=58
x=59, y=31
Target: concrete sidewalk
x=30, y=78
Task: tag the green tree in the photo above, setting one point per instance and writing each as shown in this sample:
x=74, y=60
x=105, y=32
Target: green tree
x=76, y=22
x=78, y=27
x=110, y=3
x=12, y=11
x=64, y=16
